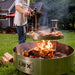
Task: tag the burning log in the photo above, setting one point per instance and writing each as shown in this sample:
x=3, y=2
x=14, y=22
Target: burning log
x=44, y=49
x=34, y=52
x=26, y=53
x=37, y=54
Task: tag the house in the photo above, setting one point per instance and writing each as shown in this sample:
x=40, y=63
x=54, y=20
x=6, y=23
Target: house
x=8, y=7
x=41, y=15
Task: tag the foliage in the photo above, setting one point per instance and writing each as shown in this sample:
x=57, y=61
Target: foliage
x=59, y=9
x=69, y=21
x=31, y=1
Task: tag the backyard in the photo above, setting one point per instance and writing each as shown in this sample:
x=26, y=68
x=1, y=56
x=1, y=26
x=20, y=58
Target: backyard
x=8, y=41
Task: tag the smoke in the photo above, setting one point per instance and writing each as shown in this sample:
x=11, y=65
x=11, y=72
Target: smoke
x=57, y=8
x=43, y=20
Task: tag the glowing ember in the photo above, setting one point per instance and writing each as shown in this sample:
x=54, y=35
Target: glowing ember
x=45, y=48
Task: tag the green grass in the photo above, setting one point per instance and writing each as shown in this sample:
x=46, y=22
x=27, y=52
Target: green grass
x=9, y=41
x=69, y=38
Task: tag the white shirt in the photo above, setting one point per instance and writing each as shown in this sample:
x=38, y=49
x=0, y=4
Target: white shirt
x=20, y=19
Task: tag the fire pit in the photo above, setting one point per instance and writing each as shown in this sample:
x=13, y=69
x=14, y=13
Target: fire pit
x=58, y=60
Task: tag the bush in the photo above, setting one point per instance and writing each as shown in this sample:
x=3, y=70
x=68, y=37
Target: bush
x=0, y=24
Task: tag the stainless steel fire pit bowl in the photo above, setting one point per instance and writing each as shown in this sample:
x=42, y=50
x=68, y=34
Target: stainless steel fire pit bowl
x=35, y=66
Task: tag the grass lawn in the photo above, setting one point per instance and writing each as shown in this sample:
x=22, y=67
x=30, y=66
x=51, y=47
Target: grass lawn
x=8, y=41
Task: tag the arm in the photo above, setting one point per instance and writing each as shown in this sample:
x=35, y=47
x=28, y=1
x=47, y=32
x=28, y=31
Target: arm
x=30, y=9
x=19, y=9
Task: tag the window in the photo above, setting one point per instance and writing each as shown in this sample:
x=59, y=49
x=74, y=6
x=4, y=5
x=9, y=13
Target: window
x=2, y=17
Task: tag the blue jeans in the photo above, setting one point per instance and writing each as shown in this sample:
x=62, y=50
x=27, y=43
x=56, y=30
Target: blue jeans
x=21, y=34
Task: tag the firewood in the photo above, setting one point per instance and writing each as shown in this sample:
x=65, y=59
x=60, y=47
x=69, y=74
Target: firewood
x=8, y=56
x=34, y=52
x=26, y=53
x=4, y=60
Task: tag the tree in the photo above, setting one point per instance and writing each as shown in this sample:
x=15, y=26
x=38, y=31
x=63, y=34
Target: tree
x=59, y=9
x=69, y=19
x=31, y=1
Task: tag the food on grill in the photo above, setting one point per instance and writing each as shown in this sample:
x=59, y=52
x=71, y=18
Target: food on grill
x=46, y=34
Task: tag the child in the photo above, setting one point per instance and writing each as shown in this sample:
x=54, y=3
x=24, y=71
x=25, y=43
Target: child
x=22, y=12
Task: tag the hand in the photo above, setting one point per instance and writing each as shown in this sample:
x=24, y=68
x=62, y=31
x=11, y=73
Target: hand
x=27, y=13
x=32, y=12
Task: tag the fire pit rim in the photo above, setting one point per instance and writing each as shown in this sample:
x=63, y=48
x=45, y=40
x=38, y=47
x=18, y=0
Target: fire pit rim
x=46, y=59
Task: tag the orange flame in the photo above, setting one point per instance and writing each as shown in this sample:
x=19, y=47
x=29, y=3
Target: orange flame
x=45, y=47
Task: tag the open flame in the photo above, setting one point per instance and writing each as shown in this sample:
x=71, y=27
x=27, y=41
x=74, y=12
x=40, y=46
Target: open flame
x=45, y=48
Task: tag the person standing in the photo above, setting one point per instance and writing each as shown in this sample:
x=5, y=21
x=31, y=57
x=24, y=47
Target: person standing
x=22, y=12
